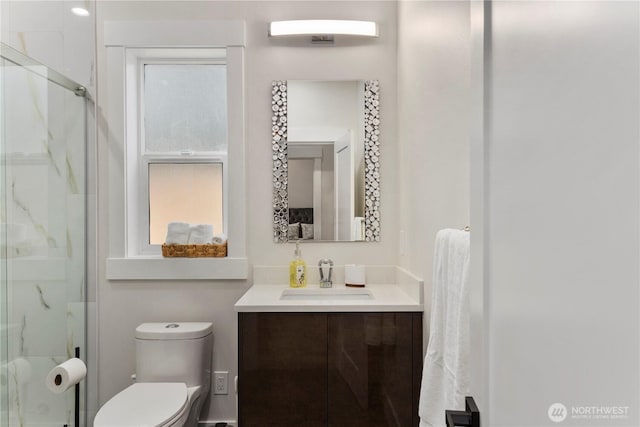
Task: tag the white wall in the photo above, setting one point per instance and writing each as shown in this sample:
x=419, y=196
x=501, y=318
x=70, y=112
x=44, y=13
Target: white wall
x=301, y=188
x=556, y=220
x=123, y=305
x=433, y=128
x=318, y=104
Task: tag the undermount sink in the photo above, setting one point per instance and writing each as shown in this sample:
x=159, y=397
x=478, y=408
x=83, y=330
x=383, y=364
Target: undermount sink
x=315, y=294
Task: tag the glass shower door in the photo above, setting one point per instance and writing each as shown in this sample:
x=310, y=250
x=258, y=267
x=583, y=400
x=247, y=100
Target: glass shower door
x=42, y=244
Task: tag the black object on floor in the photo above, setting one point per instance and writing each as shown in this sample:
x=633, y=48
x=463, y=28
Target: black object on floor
x=221, y=425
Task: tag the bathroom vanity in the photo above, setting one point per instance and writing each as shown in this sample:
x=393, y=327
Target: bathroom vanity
x=329, y=357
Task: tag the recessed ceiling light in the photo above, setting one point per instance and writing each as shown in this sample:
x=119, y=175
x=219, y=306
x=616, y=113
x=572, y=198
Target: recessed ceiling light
x=79, y=11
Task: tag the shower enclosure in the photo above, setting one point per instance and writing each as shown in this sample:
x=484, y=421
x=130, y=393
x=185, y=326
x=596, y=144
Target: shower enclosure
x=42, y=240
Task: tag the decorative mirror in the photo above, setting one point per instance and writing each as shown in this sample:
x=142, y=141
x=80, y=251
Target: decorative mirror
x=326, y=151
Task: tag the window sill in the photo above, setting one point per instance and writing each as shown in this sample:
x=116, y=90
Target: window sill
x=159, y=268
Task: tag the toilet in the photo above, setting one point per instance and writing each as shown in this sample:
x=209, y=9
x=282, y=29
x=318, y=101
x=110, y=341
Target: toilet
x=173, y=378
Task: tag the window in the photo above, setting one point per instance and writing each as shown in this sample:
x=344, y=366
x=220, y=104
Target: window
x=183, y=145
x=185, y=107
x=177, y=142
x=201, y=203
x=175, y=115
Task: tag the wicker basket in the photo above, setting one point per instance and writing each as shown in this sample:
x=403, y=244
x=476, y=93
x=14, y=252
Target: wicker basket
x=194, y=251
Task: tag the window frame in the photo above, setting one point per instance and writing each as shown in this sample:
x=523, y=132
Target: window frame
x=122, y=39
x=144, y=227
x=142, y=230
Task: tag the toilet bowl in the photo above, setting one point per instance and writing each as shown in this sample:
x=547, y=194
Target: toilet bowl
x=146, y=404
x=173, y=369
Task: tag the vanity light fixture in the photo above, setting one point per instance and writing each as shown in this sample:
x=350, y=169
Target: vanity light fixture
x=323, y=30
x=79, y=11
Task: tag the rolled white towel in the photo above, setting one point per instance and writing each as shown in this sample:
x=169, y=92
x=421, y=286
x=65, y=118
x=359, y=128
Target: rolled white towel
x=219, y=239
x=178, y=233
x=201, y=234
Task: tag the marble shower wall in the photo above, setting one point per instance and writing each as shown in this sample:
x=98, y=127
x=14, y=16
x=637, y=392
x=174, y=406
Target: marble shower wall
x=42, y=201
x=50, y=33
x=43, y=153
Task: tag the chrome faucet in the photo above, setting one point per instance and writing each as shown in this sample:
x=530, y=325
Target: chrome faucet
x=325, y=282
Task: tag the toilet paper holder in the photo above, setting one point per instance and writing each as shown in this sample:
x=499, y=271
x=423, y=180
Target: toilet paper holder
x=58, y=380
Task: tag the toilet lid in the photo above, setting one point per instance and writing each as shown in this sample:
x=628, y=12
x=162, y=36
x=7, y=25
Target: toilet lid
x=143, y=404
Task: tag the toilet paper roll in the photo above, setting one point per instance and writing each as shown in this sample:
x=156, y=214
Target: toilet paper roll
x=354, y=275
x=66, y=375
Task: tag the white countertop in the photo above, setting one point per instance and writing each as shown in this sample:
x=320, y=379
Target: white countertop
x=268, y=298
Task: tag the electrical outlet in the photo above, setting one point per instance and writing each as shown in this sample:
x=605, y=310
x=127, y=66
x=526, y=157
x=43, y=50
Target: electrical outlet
x=221, y=382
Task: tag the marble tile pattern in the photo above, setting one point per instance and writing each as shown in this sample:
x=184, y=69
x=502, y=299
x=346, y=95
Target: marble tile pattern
x=43, y=261
x=48, y=32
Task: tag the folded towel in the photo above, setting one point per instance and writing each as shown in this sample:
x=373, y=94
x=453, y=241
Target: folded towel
x=178, y=233
x=446, y=374
x=219, y=239
x=201, y=234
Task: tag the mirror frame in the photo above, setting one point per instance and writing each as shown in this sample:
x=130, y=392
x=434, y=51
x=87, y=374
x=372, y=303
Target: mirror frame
x=280, y=161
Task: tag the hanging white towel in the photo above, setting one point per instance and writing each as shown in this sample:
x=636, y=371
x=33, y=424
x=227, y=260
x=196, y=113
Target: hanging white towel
x=446, y=373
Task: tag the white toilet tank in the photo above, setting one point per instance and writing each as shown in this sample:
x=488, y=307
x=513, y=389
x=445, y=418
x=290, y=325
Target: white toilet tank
x=174, y=352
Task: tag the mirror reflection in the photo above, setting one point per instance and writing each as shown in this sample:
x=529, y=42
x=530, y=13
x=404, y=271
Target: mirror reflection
x=327, y=130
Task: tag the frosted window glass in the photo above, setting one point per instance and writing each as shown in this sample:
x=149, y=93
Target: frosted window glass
x=185, y=193
x=185, y=108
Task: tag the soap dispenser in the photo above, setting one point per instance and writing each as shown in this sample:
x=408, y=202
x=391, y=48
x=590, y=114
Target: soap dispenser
x=298, y=269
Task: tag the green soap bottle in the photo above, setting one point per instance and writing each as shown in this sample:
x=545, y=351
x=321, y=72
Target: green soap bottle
x=298, y=270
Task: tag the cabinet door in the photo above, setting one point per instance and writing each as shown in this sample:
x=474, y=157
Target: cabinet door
x=282, y=369
x=372, y=367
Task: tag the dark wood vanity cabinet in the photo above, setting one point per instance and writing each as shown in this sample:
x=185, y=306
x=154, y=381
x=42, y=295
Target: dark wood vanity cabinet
x=329, y=369
x=282, y=372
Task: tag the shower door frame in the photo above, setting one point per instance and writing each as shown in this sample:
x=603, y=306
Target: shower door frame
x=17, y=58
